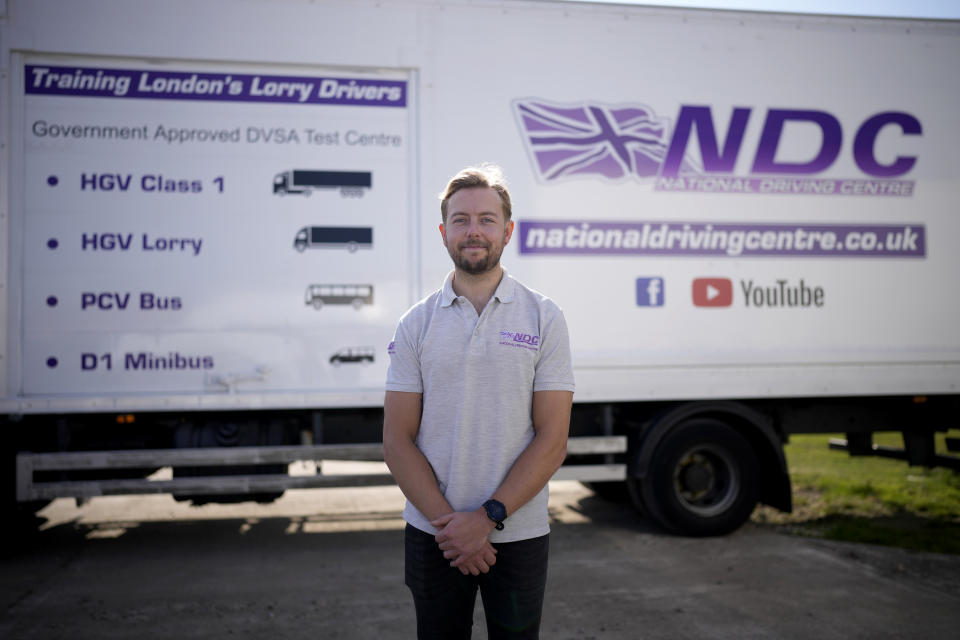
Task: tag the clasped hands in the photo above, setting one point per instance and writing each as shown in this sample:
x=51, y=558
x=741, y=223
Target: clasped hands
x=463, y=537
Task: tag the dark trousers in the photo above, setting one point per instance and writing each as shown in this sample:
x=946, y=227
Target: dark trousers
x=512, y=592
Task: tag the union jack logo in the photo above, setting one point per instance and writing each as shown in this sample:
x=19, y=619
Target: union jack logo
x=593, y=139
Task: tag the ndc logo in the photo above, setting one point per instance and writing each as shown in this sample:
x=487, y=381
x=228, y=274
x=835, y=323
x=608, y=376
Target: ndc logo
x=650, y=292
x=712, y=292
x=631, y=141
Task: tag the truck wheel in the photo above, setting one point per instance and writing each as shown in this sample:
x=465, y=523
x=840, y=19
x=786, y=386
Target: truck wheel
x=702, y=480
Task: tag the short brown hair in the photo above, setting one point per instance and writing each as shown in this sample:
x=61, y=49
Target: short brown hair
x=484, y=175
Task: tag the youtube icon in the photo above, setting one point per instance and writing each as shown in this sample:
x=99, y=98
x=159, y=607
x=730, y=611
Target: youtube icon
x=712, y=292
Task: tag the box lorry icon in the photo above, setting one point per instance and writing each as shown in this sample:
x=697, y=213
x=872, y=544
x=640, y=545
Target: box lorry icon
x=351, y=238
x=350, y=183
x=355, y=295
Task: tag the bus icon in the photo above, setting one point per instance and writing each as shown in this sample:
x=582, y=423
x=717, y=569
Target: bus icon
x=355, y=295
x=352, y=238
x=363, y=355
x=350, y=183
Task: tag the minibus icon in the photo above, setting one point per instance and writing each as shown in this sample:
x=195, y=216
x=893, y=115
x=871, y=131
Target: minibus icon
x=355, y=295
x=352, y=238
x=363, y=355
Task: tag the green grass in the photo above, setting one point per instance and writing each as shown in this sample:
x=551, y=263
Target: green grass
x=868, y=499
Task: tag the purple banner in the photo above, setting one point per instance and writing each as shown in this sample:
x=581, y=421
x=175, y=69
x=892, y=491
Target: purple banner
x=722, y=240
x=230, y=87
x=788, y=186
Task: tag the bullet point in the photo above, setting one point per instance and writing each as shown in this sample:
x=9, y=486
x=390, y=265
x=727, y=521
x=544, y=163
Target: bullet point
x=52, y=301
x=52, y=243
x=52, y=181
x=52, y=363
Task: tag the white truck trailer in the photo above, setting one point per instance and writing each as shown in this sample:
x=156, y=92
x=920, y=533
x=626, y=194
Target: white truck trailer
x=750, y=221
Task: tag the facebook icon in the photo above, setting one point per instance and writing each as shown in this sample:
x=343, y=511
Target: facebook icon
x=650, y=292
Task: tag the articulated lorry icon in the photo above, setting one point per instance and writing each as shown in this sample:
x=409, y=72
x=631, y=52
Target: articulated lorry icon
x=351, y=238
x=350, y=183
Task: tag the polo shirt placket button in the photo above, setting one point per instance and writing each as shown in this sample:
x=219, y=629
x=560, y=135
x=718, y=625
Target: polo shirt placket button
x=476, y=345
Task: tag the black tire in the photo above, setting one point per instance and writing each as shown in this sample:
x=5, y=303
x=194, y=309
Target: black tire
x=702, y=480
x=635, y=493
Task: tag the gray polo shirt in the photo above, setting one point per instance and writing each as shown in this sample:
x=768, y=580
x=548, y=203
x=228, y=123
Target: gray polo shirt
x=477, y=375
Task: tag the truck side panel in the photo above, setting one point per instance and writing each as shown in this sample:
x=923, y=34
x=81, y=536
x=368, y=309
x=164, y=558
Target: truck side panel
x=725, y=205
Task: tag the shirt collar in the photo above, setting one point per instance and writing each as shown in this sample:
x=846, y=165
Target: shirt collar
x=447, y=294
x=506, y=288
x=504, y=293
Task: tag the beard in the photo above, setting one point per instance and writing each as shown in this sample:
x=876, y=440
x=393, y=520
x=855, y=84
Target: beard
x=476, y=266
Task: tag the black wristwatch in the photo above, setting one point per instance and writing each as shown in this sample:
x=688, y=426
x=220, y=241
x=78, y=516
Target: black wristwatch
x=496, y=512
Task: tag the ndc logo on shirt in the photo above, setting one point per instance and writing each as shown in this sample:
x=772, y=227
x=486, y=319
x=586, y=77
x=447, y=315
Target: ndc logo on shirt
x=650, y=292
x=520, y=339
x=712, y=292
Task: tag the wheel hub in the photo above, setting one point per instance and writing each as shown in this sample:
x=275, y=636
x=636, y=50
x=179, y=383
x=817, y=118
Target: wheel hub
x=697, y=476
x=705, y=480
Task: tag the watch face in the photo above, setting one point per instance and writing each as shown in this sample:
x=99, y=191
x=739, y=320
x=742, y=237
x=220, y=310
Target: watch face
x=495, y=510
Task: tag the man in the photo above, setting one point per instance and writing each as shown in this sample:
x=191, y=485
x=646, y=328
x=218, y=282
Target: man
x=476, y=417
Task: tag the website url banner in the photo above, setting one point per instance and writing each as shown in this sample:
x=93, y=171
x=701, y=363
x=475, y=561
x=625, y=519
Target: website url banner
x=733, y=240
